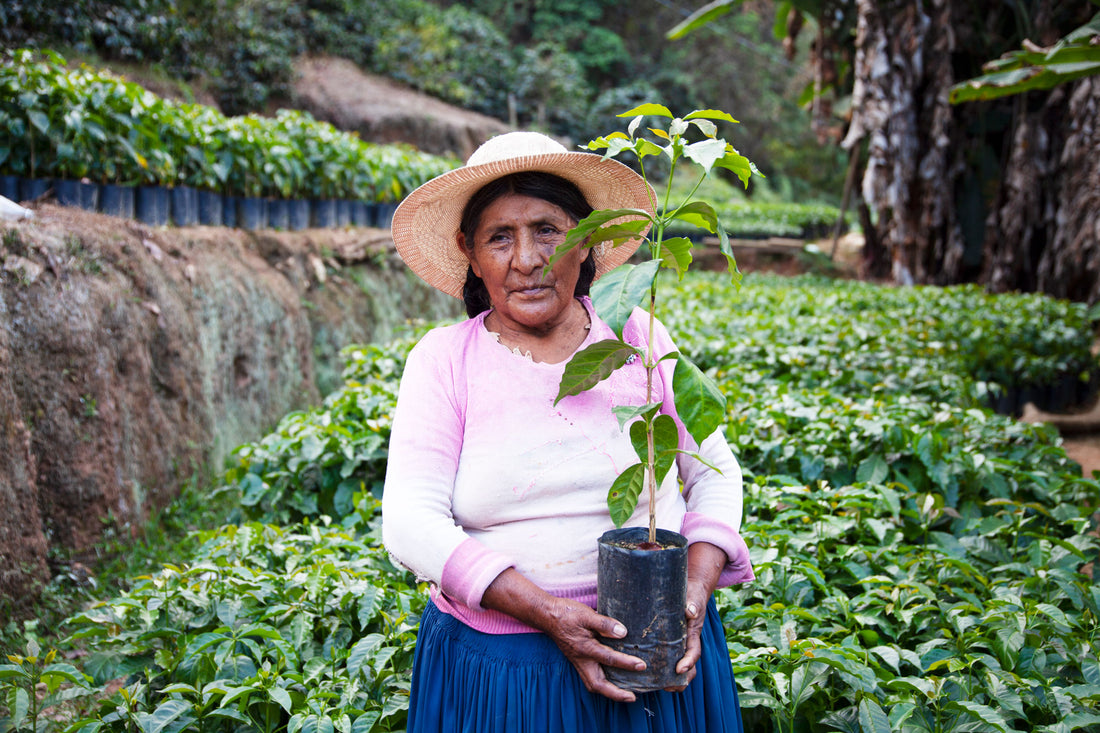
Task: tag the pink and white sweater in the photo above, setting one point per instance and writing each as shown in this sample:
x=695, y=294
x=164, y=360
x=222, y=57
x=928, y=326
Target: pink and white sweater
x=485, y=473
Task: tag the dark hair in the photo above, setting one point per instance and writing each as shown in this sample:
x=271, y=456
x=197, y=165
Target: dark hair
x=546, y=186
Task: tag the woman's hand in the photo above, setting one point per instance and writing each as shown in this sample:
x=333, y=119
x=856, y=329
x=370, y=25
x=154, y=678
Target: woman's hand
x=573, y=626
x=705, y=563
x=577, y=629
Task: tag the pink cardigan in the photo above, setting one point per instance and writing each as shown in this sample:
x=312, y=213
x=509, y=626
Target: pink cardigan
x=485, y=473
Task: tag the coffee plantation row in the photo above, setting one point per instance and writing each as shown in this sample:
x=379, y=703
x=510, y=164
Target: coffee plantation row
x=62, y=124
x=923, y=563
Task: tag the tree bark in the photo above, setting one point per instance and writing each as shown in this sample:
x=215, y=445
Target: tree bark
x=1070, y=266
x=1028, y=167
x=903, y=71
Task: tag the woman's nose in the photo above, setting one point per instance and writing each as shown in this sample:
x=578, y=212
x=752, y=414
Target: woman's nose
x=529, y=254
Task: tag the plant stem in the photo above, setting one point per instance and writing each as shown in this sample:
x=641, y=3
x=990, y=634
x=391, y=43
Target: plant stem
x=651, y=464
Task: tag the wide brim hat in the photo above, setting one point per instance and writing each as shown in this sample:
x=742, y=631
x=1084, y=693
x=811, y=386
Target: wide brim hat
x=425, y=225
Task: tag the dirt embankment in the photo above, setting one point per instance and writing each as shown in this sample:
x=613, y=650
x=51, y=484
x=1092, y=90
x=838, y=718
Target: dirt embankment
x=383, y=111
x=131, y=356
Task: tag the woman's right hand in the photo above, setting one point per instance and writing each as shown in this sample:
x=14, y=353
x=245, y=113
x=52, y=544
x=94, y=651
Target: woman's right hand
x=577, y=630
x=573, y=626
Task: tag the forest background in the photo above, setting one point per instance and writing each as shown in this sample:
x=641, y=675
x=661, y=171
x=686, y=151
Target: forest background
x=565, y=66
x=856, y=97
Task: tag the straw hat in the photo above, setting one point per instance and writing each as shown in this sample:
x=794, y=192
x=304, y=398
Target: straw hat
x=425, y=225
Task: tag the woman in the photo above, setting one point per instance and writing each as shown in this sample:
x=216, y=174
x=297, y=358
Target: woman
x=497, y=496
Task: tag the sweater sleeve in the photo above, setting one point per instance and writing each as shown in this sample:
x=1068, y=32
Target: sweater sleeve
x=418, y=527
x=713, y=496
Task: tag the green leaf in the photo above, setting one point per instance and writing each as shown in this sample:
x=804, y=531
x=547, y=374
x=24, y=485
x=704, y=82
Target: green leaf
x=731, y=262
x=806, y=680
x=710, y=114
x=163, y=716
x=739, y=165
x=232, y=694
x=700, y=18
x=579, y=235
x=395, y=704
x=676, y=255
x=700, y=404
x=591, y=365
x=619, y=292
x=365, y=722
x=665, y=443
x=986, y=714
x=622, y=499
x=698, y=213
x=1073, y=57
x=619, y=233
x=39, y=120
x=53, y=674
x=872, y=718
x=7, y=671
x=282, y=697
x=707, y=127
x=362, y=651
x=19, y=707
x=651, y=109
x=707, y=153
x=873, y=469
x=368, y=603
x=628, y=412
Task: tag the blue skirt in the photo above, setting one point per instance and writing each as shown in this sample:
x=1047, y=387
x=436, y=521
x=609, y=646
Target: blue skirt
x=464, y=680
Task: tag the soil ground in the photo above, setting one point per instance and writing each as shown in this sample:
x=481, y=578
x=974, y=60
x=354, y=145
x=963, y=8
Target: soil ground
x=1085, y=449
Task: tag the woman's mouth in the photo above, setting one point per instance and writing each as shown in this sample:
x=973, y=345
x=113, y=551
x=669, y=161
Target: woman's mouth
x=531, y=291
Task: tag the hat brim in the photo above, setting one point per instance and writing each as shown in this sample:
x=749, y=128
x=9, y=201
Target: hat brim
x=425, y=225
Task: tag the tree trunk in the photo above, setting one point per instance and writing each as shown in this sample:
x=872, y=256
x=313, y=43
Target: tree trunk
x=1006, y=192
x=903, y=71
x=1070, y=266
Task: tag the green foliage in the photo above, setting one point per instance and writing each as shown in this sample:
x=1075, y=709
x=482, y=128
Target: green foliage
x=21, y=679
x=1072, y=57
x=919, y=558
x=700, y=404
x=560, y=65
x=959, y=344
x=755, y=219
x=316, y=462
x=77, y=123
x=264, y=628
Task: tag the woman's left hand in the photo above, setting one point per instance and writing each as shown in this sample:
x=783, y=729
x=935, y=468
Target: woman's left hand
x=705, y=563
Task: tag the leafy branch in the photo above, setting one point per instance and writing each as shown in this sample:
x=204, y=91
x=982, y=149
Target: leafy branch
x=700, y=404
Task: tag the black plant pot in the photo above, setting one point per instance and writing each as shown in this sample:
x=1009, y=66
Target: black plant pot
x=229, y=210
x=324, y=213
x=32, y=188
x=117, y=201
x=298, y=214
x=9, y=187
x=343, y=212
x=185, y=206
x=278, y=214
x=251, y=213
x=210, y=207
x=152, y=205
x=67, y=192
x=647, y=591
x=383, y=214
x=360, y=214
x=89, y=196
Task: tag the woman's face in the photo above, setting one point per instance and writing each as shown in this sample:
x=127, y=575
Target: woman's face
x=510, y=250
